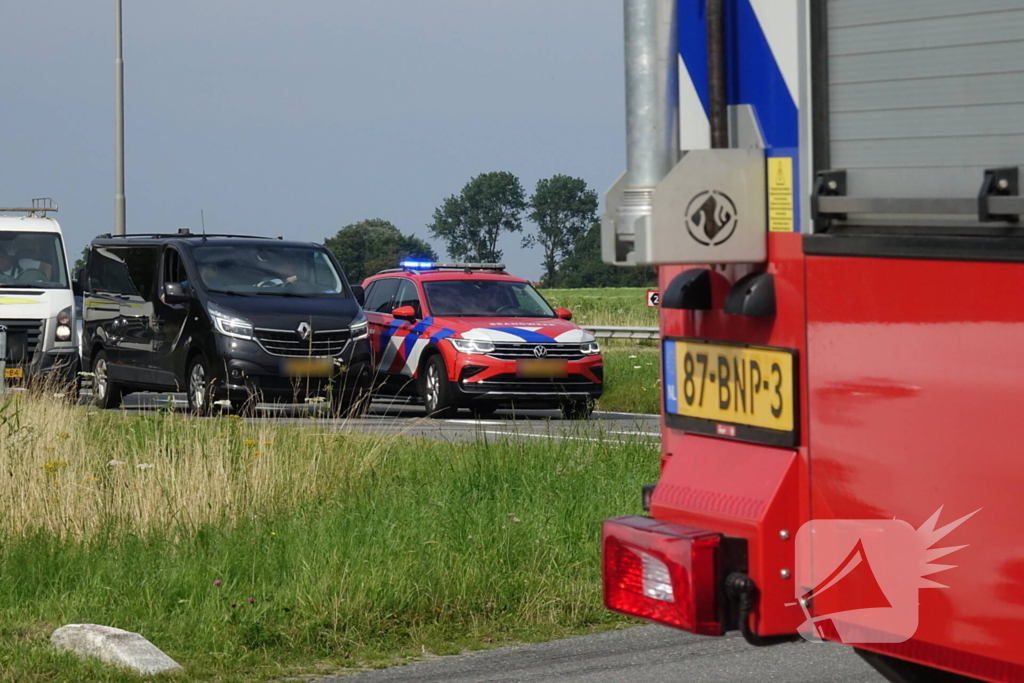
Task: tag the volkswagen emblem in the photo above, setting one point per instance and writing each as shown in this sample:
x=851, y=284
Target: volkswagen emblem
x=711, y=218
x=540, y=352
x=303, y=330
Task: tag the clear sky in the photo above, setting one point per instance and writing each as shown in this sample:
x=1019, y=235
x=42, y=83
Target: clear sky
x=297, y=117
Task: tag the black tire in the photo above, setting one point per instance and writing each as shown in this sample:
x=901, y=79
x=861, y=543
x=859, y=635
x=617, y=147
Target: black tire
x=197, y=386
x=483, y=410
x=575, y=409
x=436, y=390
x=105, y=394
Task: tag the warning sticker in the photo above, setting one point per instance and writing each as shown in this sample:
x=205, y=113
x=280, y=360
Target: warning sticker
x=780, y=194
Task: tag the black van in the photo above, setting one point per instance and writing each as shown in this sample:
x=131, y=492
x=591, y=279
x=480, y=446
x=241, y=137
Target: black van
x=223, y=318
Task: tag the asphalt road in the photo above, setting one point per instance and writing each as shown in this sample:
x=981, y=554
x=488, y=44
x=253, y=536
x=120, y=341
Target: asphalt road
x=385, y=418
x=648, y=654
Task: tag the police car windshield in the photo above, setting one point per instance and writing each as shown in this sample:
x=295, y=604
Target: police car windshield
x=271, y=270
x=485, y=298
x=32, y=259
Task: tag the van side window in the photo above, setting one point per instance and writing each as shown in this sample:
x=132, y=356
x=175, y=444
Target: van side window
x=143, y=268
x=382, y=294
x=407, y=296
x=108, y=273
x=174, y=269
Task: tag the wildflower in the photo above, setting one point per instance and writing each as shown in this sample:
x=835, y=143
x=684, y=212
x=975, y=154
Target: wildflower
x=469, y=538
x=273, y=533
x=632, y=356
x=116, y=463
x=220, y=435
x=63, y=436
x=637, y=367
x=516, y=520
x=218, y=583
x=250, y=443
x=144, y=466
x=252, y=601
x=268, y=443
x=233, y=605
x=257, y=453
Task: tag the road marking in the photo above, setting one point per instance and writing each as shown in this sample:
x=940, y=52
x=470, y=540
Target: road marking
x=476, y=422
x=657, y=434
x=565, y=437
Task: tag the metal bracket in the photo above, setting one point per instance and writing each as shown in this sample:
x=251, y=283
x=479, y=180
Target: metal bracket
x=998, y=182
x=827, y=184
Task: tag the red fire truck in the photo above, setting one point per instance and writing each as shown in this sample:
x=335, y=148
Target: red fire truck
x=830, y=190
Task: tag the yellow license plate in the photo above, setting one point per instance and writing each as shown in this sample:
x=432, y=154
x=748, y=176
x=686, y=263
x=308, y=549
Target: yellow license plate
x=542, y=368
x=731, y=385
x=307, y=367
x=14, y=373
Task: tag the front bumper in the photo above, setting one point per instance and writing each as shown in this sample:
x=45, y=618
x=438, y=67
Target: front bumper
x=481, y=378
x=247, y=369
x=56, y=365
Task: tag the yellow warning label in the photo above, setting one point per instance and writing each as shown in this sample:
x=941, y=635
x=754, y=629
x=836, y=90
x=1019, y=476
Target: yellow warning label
x=780, y=194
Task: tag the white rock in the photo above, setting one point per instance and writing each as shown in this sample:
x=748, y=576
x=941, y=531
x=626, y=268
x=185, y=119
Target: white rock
x=113, y=646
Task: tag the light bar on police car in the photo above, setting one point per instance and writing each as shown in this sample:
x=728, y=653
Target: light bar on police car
x=430, y=265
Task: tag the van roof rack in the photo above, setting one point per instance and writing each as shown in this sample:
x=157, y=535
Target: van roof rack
x=40, y=205
x=184, y=232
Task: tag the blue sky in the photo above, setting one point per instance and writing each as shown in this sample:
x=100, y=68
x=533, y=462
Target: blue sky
x=298, y=117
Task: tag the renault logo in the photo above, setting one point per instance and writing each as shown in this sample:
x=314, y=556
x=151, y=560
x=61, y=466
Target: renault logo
x=303, y=330
x=540, y=352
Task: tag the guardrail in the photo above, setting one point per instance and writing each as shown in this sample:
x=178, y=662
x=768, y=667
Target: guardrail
x=613, y=332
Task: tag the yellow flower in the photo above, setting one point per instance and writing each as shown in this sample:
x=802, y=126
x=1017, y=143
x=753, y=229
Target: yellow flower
x=268, y=443
x=273, y=533
x=63, y=436
x=256, y=453
x=250, y=443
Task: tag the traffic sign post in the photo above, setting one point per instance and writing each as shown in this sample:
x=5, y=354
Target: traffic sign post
x=653, y=298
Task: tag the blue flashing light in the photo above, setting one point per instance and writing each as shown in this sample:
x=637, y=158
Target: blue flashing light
x=417, y=265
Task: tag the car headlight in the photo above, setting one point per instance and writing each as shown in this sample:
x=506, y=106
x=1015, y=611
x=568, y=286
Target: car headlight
x=590, y=348
x=63, y=330
x=360, y=328
x=474, y=346
x=230, y=325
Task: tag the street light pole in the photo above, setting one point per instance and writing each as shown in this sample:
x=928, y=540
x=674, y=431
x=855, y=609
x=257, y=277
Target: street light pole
x=118, y=127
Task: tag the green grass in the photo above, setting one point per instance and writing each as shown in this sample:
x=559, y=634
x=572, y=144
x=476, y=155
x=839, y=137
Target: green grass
x=356, y=551
x=623, y=306
x=632, y=382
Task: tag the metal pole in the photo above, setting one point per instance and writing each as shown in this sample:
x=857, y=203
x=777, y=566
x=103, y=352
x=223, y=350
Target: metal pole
x=716, y=75
x=3, y=357
x=119, y=212
x=652, y=90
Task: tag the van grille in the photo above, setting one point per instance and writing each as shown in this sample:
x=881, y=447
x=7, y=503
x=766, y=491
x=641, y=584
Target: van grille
x=288, y=342
x=517, y=350
x=23, y=339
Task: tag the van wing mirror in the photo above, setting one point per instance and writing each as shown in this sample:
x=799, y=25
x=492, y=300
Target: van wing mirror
x=174, y=293
x=359, y=293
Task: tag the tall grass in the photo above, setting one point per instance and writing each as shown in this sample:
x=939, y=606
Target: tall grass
x=332, y=551
x=623, y=306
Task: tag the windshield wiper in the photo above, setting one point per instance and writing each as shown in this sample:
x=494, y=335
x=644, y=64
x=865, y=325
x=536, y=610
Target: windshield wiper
x=228, y=292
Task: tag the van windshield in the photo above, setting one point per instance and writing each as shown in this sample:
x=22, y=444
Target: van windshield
x=271, y=270
x=32, y=259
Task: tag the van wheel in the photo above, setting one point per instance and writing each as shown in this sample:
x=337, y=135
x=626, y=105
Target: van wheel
x=105, y=394
x=436, y=390
x=199, y=399
x=577, y=409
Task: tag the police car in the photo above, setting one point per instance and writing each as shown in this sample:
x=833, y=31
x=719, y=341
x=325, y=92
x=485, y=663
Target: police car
x=469, y=335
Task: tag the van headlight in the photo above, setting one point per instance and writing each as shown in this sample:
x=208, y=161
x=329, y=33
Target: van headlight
x=360, y=328
x=230, y=325
x=590, y=348
x=62, y=332
x=474, y=346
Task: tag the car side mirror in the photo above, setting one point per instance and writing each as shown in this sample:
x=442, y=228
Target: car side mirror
x=359, y=293
x=563, y=313
x=174, y=293
x=405, y=313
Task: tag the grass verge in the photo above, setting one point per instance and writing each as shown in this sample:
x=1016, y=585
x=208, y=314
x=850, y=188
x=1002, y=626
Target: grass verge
x=623, y=306
x=332, y=552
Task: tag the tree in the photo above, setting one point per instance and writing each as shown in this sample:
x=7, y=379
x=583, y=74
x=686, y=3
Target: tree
x=584, y=267
x=563, y=209
x=470, y=223
x=370, y=246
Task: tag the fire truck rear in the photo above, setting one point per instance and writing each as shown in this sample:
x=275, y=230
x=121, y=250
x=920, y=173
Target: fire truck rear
x=831, y=192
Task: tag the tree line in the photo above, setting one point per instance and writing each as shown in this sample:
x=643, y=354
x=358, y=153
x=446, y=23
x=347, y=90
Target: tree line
x=562, y=209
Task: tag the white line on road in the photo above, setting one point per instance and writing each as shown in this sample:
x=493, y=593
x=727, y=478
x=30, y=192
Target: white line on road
x=557, y=436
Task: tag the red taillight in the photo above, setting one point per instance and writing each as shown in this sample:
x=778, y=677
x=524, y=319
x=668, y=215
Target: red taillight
x=662, y=572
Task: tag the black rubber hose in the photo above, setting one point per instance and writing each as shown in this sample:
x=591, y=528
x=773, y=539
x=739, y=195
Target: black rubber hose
x=742, y=590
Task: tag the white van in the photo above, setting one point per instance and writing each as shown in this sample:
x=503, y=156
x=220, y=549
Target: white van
x=37, y=304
